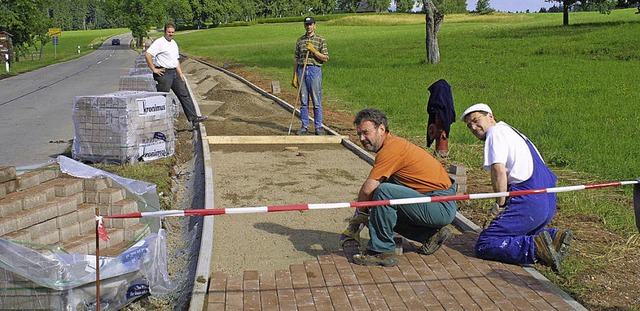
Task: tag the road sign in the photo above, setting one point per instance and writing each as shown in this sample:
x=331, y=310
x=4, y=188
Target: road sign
x=55, y=32
x=55, y=40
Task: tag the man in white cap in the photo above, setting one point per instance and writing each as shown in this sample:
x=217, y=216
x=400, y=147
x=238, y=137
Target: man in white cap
x=518, y=234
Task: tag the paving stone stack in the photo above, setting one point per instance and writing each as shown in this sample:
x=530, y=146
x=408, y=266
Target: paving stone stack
x=458, y=173
x=143, y=82
x=46, y=209
x=123, y=127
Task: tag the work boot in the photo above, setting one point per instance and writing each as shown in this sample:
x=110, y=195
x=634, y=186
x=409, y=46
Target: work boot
x=199, y=119
x=562, y=242
x=371, y=258
x=435, y=241
x=302, y=131
x=319, y=131
x=545, y=251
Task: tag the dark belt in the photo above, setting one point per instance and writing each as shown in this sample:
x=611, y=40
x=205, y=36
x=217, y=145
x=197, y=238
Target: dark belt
x=165, y=68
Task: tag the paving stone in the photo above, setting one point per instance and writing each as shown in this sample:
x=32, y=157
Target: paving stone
x=7, y=173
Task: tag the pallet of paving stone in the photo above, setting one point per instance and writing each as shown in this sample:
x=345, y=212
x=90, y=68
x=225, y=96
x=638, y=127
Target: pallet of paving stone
x=123, y=127
x=143, y=82
x=140, y=71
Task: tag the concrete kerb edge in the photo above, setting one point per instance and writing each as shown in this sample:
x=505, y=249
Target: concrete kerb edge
x=203, y=268
x=460, y=220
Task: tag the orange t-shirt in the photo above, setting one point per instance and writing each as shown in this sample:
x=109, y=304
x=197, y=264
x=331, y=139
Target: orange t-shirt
x=413, y=166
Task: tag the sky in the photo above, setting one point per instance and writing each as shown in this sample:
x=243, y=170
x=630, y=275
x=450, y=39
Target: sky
x=513, y=5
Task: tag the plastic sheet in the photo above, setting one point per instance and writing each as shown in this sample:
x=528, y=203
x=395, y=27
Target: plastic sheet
x=67, y=281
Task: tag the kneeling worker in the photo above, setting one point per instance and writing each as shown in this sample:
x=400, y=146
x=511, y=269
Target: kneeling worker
x=401, y=170
x=518, y=234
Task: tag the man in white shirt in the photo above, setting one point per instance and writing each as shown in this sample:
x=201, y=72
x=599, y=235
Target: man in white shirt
x=162, y=58
x=518, y=235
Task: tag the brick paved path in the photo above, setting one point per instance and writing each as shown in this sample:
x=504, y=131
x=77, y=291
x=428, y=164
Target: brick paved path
x=450, y=279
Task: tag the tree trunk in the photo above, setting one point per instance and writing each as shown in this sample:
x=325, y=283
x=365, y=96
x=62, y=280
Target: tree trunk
x=565, y=13
x=434, y=20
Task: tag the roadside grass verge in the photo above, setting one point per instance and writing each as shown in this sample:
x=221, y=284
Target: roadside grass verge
x=67, y=49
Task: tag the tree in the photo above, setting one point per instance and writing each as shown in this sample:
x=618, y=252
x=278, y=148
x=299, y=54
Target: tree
x=604, y=6
x=482, y=7
x=434, y=19
x=404, y=6
x=380, y=5
x=26, y=21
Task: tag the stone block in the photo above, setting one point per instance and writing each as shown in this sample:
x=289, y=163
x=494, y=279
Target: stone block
x=91, y=197
x=9, y=186
x=47, y=238
x=111, y=195
x=66, y=205
x=50, y=225
x=67, y=220
x=46, y=211
x=28, y=180
x=7, y=173
x=457, y=169
x=69, y=231
x=116, y=236
x=86, y=212
x=96, y=184
x=19, y=235
x=9, y=207
x=31, y=199
x=125, y=206
x=66, y=187
x=460, y=179
x=87, y=226
x=26, y=218
x=8, y=225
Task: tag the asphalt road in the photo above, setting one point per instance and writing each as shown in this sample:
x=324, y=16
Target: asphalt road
x=36, y=107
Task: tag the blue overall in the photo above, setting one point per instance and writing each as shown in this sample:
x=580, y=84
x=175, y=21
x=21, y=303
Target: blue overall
x=311, y=87
x=416, y=222
x=509, y=237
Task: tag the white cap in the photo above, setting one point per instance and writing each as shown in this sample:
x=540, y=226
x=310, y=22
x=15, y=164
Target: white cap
x=475, y=108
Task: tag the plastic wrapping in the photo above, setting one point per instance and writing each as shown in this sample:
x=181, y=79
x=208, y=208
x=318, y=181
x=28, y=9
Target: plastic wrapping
x=33, y=281
x=36, y=280
x=144, y=82
x=123, y=127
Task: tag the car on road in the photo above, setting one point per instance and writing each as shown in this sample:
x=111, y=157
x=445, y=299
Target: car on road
x=115, y=41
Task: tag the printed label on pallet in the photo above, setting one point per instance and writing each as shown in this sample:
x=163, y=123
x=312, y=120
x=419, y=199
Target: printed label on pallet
x=153, y=150
x=151, y=106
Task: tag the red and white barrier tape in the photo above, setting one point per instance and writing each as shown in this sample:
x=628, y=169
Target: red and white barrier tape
x=302, y=207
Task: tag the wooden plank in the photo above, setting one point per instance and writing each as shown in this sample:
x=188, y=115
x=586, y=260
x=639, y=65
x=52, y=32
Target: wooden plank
x=291, y=139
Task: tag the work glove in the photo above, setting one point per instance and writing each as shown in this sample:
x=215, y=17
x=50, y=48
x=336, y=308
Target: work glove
x=294, y=82
x=311, y=48
x=359, y=220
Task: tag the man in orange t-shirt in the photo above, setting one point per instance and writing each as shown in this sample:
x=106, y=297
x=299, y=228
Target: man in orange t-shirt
x=401, y=170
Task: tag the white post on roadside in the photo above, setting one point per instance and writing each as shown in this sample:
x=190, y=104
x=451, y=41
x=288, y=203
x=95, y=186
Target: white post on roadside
x=6, y=62
x=78, y=49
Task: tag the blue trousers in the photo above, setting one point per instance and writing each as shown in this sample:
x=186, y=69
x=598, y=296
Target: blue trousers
x=509, y=237
x=311, y=87
x=416, y=222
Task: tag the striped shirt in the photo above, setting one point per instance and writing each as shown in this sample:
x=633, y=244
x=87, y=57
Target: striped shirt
x=301, y=49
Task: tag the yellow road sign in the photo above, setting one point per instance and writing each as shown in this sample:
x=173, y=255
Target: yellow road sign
x=55, y=32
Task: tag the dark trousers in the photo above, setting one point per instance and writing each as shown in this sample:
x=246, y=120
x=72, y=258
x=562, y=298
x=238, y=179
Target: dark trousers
x=170, y=81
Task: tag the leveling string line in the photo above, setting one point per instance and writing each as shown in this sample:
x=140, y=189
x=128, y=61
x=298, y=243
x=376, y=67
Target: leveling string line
x=302, y=207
